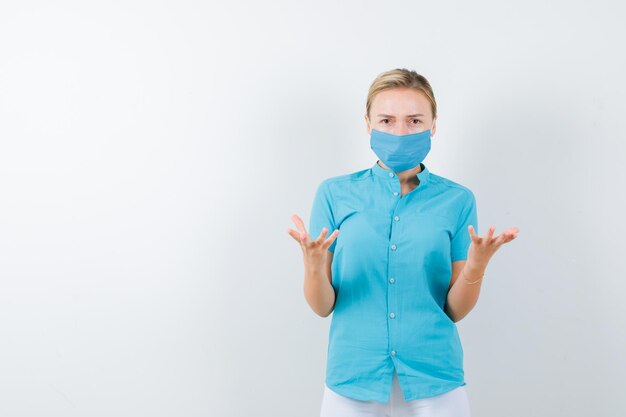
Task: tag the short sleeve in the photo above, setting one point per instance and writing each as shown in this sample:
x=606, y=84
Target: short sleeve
x=461, y=239
x=322, y=214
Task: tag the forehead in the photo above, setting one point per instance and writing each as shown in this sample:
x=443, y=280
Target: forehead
x=401, y=101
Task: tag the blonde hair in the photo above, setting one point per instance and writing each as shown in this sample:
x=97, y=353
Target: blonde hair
x=400, y=78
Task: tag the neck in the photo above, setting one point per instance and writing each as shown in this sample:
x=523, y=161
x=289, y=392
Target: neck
x=406, y=177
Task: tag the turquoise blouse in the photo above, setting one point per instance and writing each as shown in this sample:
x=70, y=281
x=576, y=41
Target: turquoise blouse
x=391, y=268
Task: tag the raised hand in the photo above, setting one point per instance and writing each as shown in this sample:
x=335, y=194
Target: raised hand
x=482, y=248
x=314, y=251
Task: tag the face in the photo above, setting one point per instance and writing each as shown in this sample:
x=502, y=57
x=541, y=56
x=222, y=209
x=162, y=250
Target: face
x=400, y=111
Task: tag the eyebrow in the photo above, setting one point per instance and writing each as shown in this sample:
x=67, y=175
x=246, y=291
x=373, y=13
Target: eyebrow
x=390, y=115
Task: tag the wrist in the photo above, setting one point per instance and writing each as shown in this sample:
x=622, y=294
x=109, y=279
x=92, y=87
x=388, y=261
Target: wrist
x=475, y=268
x=314, y=271
x=472, y=274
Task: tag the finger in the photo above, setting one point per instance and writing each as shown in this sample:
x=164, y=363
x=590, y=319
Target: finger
x=306, y=239
x=295, y=235
x=298, y=238
x=322, y=235
x=490, y=232
x=473, y=235
x=331, y=238
x=513, y=231
x=511, y=236
x=299, y=223
x=501, y=239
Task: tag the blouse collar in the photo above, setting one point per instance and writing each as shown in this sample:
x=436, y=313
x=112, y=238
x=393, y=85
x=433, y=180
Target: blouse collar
x=423, y=175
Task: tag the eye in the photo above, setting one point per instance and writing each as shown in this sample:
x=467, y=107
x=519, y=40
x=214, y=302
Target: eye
x=417, y=120
x=384, y=120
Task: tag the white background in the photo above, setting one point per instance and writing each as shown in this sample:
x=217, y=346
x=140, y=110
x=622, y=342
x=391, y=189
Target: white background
x=152, y=153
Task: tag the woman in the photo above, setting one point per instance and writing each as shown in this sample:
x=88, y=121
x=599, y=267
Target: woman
x=402, y=265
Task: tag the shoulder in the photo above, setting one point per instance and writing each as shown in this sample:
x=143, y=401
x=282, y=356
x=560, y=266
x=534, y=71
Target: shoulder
x=340, y=181
x=444, y=182
x=451, y=188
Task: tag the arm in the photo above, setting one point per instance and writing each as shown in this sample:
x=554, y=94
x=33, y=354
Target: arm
x=318, y=290
x=462, y=297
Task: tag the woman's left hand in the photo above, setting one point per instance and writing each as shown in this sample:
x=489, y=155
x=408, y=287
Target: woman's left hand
x=482, y=248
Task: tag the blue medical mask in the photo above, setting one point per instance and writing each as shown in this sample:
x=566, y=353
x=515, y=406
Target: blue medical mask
x=400, y=152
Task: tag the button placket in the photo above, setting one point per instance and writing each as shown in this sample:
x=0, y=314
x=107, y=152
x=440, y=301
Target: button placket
x=392, y=295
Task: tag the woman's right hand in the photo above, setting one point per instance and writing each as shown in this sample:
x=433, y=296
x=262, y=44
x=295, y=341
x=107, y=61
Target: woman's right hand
x=313, y=251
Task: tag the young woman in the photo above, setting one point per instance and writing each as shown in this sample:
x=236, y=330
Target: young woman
x=402, y=265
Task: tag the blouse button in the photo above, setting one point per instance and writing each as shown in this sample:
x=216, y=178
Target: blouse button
x=392, y=315
x=393, y=247
x=391, y=174
x=396, y=218
x=392, y=280
x=393, y=353
x=395, y=193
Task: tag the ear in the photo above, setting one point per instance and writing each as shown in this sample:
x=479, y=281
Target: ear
x=433, y=129
x=368, y=128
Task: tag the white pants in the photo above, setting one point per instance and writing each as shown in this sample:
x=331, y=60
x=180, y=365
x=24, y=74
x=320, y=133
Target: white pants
x=453, y=403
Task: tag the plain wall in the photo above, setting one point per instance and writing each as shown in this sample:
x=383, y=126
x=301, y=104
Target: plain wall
x=152, y=153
